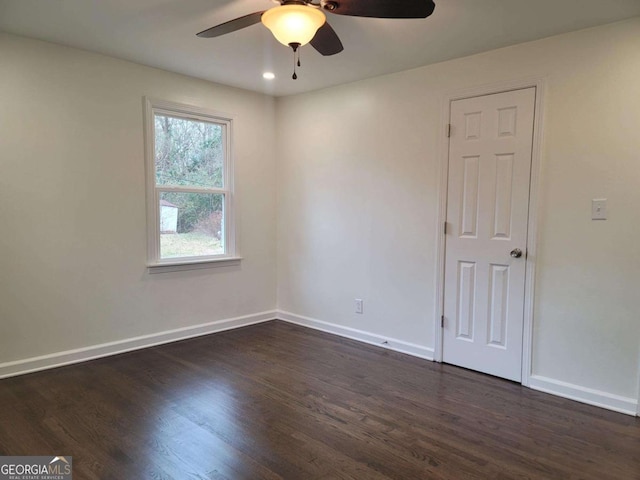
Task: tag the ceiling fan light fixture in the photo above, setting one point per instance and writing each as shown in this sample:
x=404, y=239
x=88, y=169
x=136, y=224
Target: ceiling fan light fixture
x=293, y=24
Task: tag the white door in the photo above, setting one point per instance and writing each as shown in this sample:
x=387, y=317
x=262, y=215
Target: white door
x=487, y=214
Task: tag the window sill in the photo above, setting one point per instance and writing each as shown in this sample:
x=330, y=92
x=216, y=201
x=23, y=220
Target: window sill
x=193, y=265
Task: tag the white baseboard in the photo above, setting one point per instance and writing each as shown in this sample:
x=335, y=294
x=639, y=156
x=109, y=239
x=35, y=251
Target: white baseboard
x=629, y=406
x=360, y=335
x=590, y=396
x=44, y=362
x=559, y=388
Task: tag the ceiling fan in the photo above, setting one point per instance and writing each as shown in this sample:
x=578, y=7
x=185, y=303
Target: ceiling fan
x=297, y=22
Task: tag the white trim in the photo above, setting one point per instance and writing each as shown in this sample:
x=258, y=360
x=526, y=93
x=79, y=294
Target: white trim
x=151, y=106
x=589, y=396
x=559, y=388
x=638, y=403
x=532, y=231
x=188, y=264
x=153, y=241
x=597, y=398
x=215, y=191
x=359, y=335
x=441, y=216
x=45, y=362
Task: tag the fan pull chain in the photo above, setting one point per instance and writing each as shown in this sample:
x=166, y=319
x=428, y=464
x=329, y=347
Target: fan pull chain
x=296, y=61
x=295, y=75
x=299, y=56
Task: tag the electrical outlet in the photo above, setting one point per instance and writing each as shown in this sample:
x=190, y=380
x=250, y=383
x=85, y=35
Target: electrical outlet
x=359, y=305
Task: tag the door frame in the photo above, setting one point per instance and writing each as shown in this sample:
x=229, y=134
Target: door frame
x=532, y=223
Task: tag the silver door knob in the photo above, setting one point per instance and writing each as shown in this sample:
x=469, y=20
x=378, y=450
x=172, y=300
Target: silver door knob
x=516, y=253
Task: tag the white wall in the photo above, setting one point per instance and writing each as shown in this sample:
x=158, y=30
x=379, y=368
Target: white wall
x=72, y=203
x=358, y=191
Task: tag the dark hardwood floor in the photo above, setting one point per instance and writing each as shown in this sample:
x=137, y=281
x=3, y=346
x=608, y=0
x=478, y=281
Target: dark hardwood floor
x=277, y=401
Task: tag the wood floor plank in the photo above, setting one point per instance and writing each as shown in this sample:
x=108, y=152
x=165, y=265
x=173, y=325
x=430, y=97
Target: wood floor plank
x=276, y=401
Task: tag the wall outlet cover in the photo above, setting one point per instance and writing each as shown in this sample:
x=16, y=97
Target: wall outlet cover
x=599, y=209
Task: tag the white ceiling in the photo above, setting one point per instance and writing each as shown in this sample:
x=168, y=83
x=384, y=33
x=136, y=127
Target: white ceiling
x=161, y=33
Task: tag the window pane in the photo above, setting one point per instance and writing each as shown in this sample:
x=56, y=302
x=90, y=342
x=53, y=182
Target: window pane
x=188, y=152
x=191, y=224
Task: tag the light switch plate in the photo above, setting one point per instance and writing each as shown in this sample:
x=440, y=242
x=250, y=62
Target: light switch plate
x=599, y=209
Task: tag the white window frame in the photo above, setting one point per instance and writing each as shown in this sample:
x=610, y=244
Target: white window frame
x=155, y=263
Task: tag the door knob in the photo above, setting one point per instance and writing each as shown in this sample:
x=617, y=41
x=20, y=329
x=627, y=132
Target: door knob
x=516, y=253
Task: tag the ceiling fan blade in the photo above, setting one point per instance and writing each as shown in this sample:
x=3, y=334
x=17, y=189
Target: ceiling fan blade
x=326, y=41
x=381, y=8
x=231, y=25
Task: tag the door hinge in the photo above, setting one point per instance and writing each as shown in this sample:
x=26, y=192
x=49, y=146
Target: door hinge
x=442, y=321
x=445, y=228
x=448, y=130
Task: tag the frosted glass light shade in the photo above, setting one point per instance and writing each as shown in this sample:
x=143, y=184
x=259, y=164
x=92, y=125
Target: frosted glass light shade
x=293, y=23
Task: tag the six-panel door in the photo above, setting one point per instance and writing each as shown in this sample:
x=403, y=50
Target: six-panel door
x=487, y=217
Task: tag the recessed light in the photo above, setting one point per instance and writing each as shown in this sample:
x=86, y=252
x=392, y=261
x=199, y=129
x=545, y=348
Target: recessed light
x=268, y=75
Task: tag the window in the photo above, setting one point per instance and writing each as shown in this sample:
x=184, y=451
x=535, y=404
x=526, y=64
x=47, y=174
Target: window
x=189, y=194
